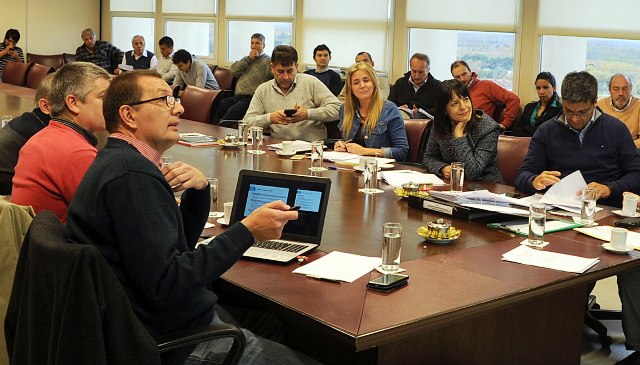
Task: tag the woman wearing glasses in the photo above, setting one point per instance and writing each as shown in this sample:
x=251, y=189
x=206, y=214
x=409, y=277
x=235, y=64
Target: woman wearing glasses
x=538, y=112
x=462, y=134
x=370, y=126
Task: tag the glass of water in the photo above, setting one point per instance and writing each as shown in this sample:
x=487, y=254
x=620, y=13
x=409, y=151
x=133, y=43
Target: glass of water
x=243, y=131
x=256, y=140
x=457, y=177
x=213, y=189
x=317, y=149
x=391, y=246
x=370, y=176
x=6, y=119
x=537, y=221
x=588, y=211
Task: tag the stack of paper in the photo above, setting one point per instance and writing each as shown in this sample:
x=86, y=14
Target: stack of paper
x=298, y=146
x=351, y=158
x=563, y=194
x=550, y=260
x=477, y=197
x=397, y=178
x=197, y=140
x=604, y=233
x=339, y=266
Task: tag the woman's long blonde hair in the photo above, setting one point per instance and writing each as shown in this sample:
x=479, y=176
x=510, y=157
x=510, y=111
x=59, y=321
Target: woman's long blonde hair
x=351, y=102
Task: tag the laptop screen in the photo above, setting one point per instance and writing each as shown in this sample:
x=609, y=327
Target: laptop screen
x=256, y=188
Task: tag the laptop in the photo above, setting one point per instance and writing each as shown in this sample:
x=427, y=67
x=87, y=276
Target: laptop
x=256, y=188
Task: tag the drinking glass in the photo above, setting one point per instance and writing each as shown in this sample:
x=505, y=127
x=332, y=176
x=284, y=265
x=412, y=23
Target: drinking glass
x=316, y=156
x=6, y=119
x=457, y=177
x=370, y=175
x=537, y=220
x=392, y=233
x=243, y=131
x=256, y=140
x=213, y=189
x=588, y=211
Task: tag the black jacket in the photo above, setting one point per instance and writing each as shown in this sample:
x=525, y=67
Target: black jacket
x=403, y=93
x=523, y=128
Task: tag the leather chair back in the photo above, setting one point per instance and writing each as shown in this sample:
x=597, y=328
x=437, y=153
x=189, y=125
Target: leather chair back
x=15, y=73
x=69, y=57
x=224, y=77
x=36, y=73
x=198, y=103
x=54, y=60
x=511, y=152
x=415, y=129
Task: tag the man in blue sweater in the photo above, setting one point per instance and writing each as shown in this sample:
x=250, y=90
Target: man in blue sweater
x=583, y=138
x=125, y=206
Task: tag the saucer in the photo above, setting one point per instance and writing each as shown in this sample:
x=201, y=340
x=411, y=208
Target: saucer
x=358, y=168
x=441, y=241
x=280, y=153
x=230, y=145
x=607, y=247
x=222, y=221
x=619, y=213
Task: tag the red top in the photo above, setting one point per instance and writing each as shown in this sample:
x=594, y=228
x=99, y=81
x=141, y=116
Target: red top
x=485, y=93
x=50, y=167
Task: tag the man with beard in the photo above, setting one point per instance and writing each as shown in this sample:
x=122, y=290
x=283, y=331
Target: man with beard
x=622, y=105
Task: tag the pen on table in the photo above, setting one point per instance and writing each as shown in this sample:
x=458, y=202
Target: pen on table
x=295, y=207
x=571, y=215
x=339, y=168
x=324, y=279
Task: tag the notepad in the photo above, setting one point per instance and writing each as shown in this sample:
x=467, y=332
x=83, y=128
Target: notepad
x=550, y=260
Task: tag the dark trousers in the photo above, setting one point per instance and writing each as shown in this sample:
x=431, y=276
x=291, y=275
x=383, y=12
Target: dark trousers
x=232, y=108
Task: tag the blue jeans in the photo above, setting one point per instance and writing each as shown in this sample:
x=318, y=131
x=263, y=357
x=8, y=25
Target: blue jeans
x=257, y=351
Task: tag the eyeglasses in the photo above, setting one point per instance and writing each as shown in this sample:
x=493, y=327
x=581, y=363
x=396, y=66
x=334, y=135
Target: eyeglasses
x=170, y=100
x=579, y=113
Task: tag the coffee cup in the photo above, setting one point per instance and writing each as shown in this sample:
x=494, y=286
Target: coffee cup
x=227, y=211
x=287, y=147
x=629, y=204
x=619, y=239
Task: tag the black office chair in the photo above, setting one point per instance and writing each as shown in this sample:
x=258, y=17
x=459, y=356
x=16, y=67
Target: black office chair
x=68, y=307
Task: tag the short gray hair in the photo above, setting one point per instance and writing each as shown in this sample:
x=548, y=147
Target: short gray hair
x=44, y=88
x=76, y=78
x=421, y=57
x=625, y=77
x=88, y=31
x=258, y=36
x=579, y=87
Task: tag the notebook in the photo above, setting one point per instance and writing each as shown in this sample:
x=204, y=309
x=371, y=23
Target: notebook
x=256, y=188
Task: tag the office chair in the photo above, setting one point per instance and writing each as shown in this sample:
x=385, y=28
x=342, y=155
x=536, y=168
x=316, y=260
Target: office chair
x=68, y=307
x=511, y=152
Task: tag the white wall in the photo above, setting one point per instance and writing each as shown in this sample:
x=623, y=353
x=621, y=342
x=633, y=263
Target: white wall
x=38, y=20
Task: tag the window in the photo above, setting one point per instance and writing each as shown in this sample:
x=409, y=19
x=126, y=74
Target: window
x=182, y=34
x=124, y=28
x=347, y=28
x=447, y=33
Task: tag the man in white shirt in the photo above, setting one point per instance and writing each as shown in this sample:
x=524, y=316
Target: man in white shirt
x=138, y=58
x=165, y=67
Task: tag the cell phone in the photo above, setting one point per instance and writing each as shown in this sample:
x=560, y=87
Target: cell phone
x=627, y=222
x=388, y=282
x=289, y=112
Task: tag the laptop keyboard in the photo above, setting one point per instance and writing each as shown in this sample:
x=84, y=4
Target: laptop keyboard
x=279, y=246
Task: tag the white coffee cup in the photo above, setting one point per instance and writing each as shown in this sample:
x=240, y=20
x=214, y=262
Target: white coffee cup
x=227, y=211
x=629, y=204
x=619, y=239
x=287, y=147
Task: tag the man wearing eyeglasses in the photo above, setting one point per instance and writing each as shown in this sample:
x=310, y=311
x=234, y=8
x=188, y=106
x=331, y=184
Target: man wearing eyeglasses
x=53, y=161
x=583, y=138
x=125, y=206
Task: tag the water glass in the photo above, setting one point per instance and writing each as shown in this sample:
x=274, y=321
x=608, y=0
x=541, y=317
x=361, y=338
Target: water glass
x=166, y=160
x=256, y=140
x=537, y=221
x=588, y=211
x=243, y=131
x=213, y=189
x=370, y=175
x=316, y=156
x=457, y=177
x=6, y=119
x=392, y=233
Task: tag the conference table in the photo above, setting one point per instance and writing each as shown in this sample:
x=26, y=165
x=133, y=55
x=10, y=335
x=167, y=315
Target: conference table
x=463, y=304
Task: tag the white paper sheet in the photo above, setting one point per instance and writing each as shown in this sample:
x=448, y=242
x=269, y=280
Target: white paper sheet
x=298, y=146
x=551, y=260
x=351, y=158
x=563, y=193
x=339, y=266
x=397, y=178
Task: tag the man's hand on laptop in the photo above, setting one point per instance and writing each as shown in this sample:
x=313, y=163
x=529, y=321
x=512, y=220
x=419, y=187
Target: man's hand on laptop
x=182, y=176
x=267, y=222
x=545, y=179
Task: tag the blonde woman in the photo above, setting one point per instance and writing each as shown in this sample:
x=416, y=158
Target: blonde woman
x=370, y=125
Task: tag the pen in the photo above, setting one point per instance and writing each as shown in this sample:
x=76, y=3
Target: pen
x=324, y=279
x=295, y=207
x=339, y=168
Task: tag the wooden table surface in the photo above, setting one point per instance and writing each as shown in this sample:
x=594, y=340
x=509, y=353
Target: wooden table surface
x=461, y=295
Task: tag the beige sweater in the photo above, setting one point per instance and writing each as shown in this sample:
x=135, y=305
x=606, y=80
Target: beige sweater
x=630, y=116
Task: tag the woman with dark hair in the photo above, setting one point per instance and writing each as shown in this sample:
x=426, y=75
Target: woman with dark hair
x=462, y=134
x=538, y=112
